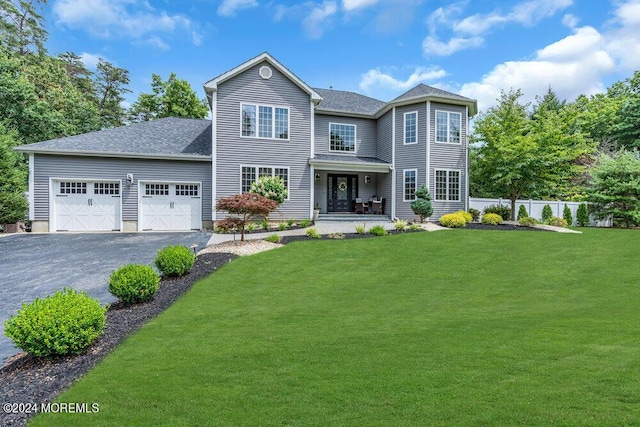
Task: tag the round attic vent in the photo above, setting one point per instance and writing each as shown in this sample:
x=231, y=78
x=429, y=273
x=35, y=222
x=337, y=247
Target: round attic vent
x=265, y=72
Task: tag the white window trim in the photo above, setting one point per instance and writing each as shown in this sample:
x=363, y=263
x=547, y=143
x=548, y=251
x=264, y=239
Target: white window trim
x=273, y=121
x=404, y=137
x=435, y=184
x=273, y=173
x=435, y=130
x=404, y=184
x=355, y=138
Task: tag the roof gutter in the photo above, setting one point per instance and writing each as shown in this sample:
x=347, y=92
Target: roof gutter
x=186, y=157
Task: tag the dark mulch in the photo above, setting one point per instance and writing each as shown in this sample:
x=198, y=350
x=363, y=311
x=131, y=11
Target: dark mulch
x=28, y=379
x=501, y=227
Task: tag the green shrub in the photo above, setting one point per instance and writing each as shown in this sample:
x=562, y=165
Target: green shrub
x=361, y=229
x=313, y=233
x=64, y=323
x=582, y=215
x=378, y=230
x=134, y=283
x=527, y=221
x=453, y=220
x=400, y=225
x=336, y=236
x=273, y=238
x=422, y=206
x=290, y=222
x=566, y=214
x=175, y=260
x=547, y=213
x=265, y=225
x=251, y=226
x=466, y=215
x=414, y=227
x=522, y=212
x=305, y=223
x=491, y=219
x=503, y=210
x=282, y=226
x=475, y=214
x=556, y=221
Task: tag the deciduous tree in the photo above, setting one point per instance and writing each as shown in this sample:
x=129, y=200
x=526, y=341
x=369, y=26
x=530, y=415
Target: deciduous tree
x=244, y=207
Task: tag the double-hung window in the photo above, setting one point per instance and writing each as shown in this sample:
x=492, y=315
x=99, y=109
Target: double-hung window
x=410, y=184
x=251, y=174
x=448, y=185
x=411, y=127
x=448, y=126
x=342, y=137
x=264, y=121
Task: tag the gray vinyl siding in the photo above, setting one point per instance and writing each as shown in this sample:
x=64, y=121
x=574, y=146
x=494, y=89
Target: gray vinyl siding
x=410, y=156
x=233, y=151
x=384, y=137
x=101, y=168
x=366, y=131
x=448, y=156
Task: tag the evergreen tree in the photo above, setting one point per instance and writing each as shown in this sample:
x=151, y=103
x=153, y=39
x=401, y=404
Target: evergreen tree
x=422, y=206
x=566, y=214
x=582, y=215
x=13, y=205
x=615, y=189
x=522, y=212
x=22, y=26
x=111, y=85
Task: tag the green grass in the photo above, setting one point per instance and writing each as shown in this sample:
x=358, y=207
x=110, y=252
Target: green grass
x=459, y=327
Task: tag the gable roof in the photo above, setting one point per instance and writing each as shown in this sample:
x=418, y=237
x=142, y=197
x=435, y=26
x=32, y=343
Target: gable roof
x=212, y=85
x=423, y=92
x=167, y=138
x=339, y=101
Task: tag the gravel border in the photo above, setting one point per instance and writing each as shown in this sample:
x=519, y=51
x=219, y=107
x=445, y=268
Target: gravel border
x=29, y=380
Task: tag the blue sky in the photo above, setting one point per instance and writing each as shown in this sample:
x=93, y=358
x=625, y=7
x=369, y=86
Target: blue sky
x=379, y=48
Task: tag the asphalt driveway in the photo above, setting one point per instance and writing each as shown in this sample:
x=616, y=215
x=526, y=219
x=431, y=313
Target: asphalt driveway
x=36, y=265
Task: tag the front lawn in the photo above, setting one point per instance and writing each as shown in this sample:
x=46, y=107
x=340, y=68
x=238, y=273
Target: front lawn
x=458, y=327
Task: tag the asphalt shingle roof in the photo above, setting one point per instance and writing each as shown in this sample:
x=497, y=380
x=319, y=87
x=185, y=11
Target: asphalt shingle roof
x=424, y=90
x=168, y=136
x=347, y=102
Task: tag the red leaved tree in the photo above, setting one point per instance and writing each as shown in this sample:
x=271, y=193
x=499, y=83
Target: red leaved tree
x=246, y=206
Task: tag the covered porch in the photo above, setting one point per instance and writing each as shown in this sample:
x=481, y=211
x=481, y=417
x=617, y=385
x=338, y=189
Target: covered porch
x=346, y=186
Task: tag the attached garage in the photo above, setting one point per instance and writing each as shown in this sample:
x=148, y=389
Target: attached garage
x=86, y=205
x=170, y=206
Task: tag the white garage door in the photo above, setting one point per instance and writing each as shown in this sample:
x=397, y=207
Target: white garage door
x=171, y=206
x=87, y=206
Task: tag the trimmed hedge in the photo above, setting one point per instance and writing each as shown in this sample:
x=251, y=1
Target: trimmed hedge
x=453, y=220
x=64, y=323
x=491, y=219
x=468, y=217
x=175, y=260
x=134, y=283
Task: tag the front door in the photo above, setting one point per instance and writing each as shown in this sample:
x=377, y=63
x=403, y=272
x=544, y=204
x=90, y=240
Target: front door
x=342, y=192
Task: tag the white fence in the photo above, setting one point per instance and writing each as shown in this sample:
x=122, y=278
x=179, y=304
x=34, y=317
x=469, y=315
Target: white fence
x=534, y=208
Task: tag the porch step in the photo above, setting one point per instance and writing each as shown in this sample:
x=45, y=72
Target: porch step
x=353, y=217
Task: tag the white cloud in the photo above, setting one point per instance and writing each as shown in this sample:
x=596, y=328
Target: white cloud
x=119, y=18
x=432, y=46
x=90, y=60
x=570, y=20
x=231, y=7
x=377, y=81
x=623, y=39
x=572, y=66
x=315, y=23
x=357, y=4
x=468, y=31
x=157, y=42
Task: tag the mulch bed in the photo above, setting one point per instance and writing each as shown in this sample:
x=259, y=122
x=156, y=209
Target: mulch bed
x=28, y=379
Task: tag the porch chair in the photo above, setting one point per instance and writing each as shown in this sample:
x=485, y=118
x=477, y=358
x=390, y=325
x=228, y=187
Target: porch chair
x=361, y=207
x=377, y=207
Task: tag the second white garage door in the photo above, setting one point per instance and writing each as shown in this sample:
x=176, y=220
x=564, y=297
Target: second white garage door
x=170, y=206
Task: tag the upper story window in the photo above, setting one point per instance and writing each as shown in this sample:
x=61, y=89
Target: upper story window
x=264, y=121
x=411, y=127
x=448, y=127
x=343, y=137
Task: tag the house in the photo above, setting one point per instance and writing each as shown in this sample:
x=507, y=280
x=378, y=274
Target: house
x=329, y=146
